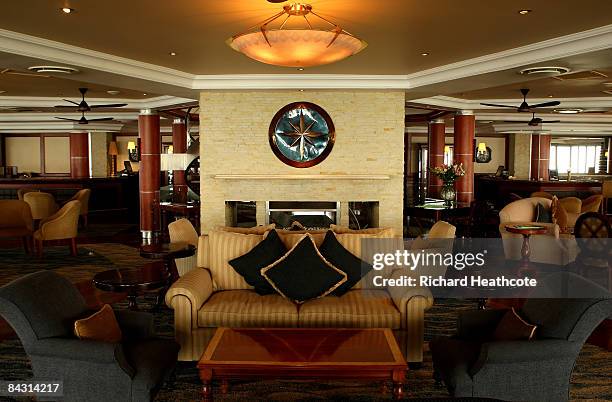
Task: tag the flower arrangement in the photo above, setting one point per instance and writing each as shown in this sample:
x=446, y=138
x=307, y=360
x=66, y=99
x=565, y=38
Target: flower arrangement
x=449, y=173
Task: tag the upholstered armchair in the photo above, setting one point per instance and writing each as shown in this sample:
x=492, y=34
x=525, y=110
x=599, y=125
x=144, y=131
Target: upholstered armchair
x=42, y=205
x=83, y=197
x=182, y=230
x=23, y=191
x=549, y=248
x=591, y=204
x=63, y=225
x=16, y=221
x=472, y=364
x=42, y=308
x=542, y=194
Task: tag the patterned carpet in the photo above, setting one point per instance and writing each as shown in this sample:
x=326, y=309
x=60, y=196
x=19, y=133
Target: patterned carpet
x=590, y=380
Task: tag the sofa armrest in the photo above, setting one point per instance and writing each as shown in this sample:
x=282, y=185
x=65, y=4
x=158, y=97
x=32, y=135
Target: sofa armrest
x=401, y=295
x=196, y=286
x=512, y=352
x=83, y=350
x=135, y=325
x=478, y=324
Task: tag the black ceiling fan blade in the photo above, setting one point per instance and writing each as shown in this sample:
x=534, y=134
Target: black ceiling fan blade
x=102, y=119
x=67, y=119
x=496, y=105
x=552, y=121
x=108, y=105
x=515, y=121
x=69, y=101
x=545, y=104
x=66, y=107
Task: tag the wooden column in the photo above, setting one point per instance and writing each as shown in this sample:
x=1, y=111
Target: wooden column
x=149, y=172
x=79, y=155
x=540, y=156
x=179, y=143
x=435, y=147
x=464, y=127
x=609, y=156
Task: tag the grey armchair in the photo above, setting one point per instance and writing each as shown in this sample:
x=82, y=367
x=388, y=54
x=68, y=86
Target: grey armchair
x=42, y=307
x=471, y=364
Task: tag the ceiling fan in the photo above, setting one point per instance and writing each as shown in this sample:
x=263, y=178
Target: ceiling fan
x=84, y=120
x=84, y=107
x=534, y=122
x=525, y=107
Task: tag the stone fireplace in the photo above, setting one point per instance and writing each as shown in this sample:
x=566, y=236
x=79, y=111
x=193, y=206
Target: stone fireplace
x=365, y=166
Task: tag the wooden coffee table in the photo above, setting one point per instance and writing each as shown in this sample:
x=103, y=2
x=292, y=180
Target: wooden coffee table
x=312, y=353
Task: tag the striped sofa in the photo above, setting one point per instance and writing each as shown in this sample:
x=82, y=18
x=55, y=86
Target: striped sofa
x=214, y=295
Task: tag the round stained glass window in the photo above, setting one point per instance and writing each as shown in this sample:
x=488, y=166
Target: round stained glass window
x=301, y=134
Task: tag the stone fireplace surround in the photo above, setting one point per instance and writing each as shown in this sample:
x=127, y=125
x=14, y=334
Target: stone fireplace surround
x=366, y=164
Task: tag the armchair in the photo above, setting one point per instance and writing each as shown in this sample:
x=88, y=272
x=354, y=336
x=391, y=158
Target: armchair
x=62, y=225
x=16, y=221
x=183, y=230
x=41, y=204
x=83, y=197
x=42, y=307
x=473, y=364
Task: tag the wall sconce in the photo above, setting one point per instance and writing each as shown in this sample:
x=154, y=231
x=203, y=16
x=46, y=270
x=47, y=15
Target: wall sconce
x=447, y=149
x=606, y=154
x=133, y=151
x=170, y=149
x=482, y=147
x=483, y=153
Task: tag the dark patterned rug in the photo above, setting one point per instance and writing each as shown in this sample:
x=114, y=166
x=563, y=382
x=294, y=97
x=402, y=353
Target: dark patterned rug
x=590, y=380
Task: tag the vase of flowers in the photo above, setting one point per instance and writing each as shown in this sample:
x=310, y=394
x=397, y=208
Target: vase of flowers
x=449, y=174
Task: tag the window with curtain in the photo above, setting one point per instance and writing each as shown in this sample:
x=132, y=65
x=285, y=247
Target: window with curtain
x=577, y=158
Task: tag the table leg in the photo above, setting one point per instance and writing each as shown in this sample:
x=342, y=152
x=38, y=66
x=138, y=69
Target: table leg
x=525, y=253
x=398, y=390
x=207, y=391
x=132, y=305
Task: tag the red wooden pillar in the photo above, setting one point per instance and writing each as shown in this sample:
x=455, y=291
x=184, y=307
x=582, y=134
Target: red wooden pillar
x=79, y=155
x=609, y=156
x=179, y=143
x=149, y=172
x=464, y=127
x=436, y=141
x=540, y=156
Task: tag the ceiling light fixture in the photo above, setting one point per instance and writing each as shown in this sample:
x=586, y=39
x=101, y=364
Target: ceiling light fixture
x=568, y=111
x=424, y=54
x=172, y=53
x=544, y=70
x=53, y=69
x=112, y=92
x=296, y=47
x=67, y=10
x=524, y=12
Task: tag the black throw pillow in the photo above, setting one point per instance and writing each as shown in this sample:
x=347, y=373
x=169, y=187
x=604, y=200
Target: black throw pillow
x=263, y=254
x=303, y=273
x=354, y=267
x=543, y=214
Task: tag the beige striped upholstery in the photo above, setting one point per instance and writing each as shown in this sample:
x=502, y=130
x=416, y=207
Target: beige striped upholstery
x=357, y=308
x=203, y=252
x=291, y=239
x=245, y=308
x=182, y=230
x=343, y=229
x=186, y=296
x=225, y=246
x=253, y=230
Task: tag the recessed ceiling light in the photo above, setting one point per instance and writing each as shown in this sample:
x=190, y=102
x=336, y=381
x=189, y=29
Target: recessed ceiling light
x=550, y=96
x=112, y=92
x=544, y=70
x=301, y=90
x=53, y=69
x=144, y=94
x=172, y=53
x=524, y=12
x=301, y=69
x=424, y=54
x=568, y=111
x=67, y=10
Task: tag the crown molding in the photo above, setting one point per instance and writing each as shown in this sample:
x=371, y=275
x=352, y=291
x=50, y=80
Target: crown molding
x=57, y=127
x=45, y=101
x=572, y=129
x=57, y=52
x=449, y=102
x=26, y=117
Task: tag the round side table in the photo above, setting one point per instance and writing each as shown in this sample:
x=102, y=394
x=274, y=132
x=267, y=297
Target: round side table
x=134, y=281
x=167, y=252
x=526, y=231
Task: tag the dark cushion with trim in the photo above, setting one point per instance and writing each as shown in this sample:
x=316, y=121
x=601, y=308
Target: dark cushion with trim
x=543, y=214
x=263, y=254
x=513, y=328
x=355, y=268
x=303, y=273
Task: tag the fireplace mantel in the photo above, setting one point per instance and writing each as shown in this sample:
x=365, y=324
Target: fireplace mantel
x=302, y=176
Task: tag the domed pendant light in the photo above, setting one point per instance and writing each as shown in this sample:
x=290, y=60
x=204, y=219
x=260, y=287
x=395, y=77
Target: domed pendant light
x=304, y=47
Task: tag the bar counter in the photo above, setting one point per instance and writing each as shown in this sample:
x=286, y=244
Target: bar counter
x=110, y=196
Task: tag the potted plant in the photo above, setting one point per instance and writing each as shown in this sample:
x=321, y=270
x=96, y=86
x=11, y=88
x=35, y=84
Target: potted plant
x=449, y=174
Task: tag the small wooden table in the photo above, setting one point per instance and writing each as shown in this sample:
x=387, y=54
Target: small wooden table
x=316, y=353
x=153, y=276
x=167, y=252
x=526, y=231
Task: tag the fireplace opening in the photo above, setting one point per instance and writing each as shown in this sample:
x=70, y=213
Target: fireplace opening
x=302, y=214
